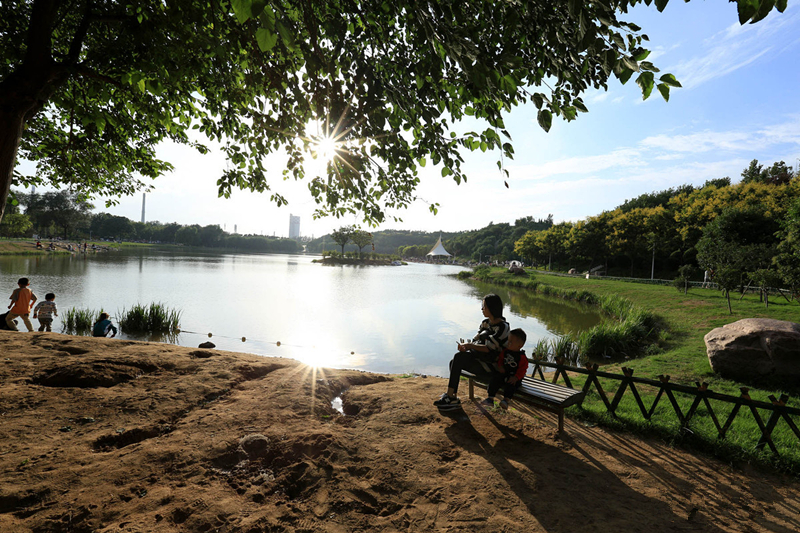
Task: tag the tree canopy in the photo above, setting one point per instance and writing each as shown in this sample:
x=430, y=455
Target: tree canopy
x=89, y=89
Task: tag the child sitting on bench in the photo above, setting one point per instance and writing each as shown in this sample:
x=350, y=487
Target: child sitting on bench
x=512, y=365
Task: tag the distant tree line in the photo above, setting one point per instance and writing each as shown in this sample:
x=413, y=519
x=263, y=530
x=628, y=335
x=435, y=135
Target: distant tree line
x=742, y=231
x=494, y=242
x=64, y=214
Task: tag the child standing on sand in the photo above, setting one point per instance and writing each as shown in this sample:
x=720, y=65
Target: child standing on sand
x=512, y=365
x=103, y=326
x=22, y=300
x=45, y=310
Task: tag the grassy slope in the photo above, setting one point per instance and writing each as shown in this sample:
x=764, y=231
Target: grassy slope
x=684, y=358
x=19, y=248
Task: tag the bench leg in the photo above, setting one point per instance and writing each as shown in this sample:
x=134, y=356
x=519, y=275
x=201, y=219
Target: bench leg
x=471, y=389
x=561, y=421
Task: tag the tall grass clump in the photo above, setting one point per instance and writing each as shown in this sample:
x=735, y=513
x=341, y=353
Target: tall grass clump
x=567, y=347
x=627, y=335
x=78, y=320
x=541, y=350
x=155, y=318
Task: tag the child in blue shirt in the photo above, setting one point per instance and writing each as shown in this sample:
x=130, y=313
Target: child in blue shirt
x=103, y=326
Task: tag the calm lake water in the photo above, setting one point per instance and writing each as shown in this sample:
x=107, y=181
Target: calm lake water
x=379, y=319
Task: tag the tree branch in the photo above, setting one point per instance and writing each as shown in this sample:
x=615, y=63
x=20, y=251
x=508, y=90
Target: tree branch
x=87, y=72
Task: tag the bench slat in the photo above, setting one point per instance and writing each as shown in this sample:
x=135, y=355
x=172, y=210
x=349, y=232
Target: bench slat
x=543, y=391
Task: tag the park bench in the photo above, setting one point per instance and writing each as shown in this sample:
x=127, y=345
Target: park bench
x=539, y=393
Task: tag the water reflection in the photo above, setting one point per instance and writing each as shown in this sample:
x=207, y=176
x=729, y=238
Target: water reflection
x=380, y=319
x=558, y=316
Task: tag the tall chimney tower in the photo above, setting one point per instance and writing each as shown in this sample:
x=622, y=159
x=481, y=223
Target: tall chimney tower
x=144, y=195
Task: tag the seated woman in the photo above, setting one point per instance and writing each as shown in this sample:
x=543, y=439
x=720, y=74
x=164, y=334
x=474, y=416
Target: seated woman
x=479, y=356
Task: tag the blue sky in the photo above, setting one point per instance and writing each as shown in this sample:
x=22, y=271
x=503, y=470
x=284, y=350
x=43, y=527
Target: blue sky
x=740, y=101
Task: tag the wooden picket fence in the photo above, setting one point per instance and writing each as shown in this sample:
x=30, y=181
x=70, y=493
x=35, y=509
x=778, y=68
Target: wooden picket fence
x=778, y=408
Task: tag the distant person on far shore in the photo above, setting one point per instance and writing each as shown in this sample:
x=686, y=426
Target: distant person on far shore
x=22, y=300
x=103, y=326
x=708, y=278
x=44, y=312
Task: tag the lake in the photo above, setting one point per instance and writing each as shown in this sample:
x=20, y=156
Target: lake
x=393, y=319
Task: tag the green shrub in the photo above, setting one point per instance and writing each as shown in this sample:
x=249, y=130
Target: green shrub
x=566, y=347
x=77, y=320
x=157, y=318
x=482, y=272
x=541, y=350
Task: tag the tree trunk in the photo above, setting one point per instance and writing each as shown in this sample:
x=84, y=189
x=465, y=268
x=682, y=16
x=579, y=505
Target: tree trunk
x=728, y=295
x=10, y=135
x=28, y=88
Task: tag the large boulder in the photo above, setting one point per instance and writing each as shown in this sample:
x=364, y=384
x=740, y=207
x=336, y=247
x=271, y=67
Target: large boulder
x=756, y=349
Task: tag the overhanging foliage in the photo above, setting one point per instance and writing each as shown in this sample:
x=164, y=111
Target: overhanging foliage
x=89, y=89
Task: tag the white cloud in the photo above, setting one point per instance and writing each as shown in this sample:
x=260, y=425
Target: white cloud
x=727, y=141
x=704, y=141
x=735, y=47
x=625, y=157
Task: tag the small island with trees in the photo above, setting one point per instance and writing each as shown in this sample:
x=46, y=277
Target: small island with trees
x=360, y=238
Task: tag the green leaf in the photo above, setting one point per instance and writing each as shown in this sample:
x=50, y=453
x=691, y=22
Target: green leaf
x=545, y=119
x=575, y=7
x=266, y=39
x=746, y=8
x=446, y=172
x=646, y=65
x=670, y=80
x=423, y=162
x=242, y=9
x=763, y=10
x=630, y=64
x=663, y=88
x=661, y=4
x=645, y=81
x=578, y=103
x=641, y=55
x=624, y=76
x=780, y=5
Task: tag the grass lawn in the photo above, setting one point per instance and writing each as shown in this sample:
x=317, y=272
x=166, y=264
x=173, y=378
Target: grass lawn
x=683, y=357
x=19, y=247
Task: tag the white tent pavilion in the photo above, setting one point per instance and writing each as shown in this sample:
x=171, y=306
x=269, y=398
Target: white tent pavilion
x=438, y=250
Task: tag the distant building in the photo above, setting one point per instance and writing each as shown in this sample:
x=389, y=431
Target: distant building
x=294, y=227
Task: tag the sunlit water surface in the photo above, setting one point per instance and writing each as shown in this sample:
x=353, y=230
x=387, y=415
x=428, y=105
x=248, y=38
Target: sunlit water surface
x=381, y=319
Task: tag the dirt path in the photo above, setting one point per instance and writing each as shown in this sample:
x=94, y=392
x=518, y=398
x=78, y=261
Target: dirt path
x=109, y=435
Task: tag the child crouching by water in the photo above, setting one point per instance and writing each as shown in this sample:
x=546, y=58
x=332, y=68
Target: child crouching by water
x=103, y=326
x=512, y=365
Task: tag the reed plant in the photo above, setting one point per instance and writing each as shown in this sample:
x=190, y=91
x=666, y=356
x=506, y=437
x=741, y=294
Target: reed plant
x=566, y=347
x=79, y=320
x=155, y=318
x=541, y=350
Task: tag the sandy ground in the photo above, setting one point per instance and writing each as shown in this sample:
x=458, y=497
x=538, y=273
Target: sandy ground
x=110, y=435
